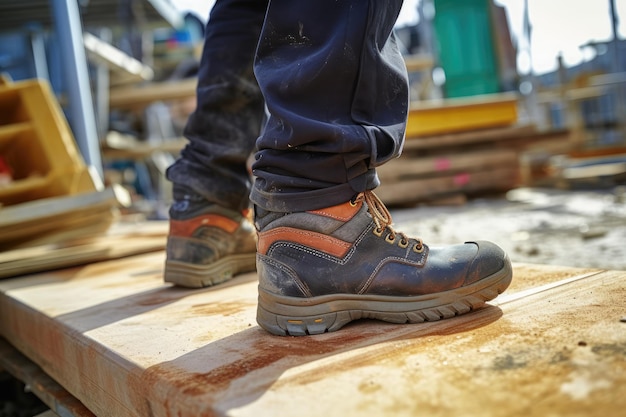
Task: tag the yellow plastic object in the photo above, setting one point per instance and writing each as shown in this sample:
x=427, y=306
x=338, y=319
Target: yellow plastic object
x=461, y=114
x=37, y=147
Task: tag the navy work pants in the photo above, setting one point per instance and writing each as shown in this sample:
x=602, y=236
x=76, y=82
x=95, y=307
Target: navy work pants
x=334, y=83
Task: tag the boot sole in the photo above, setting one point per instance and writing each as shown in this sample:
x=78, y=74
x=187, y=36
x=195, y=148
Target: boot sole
x=199, y=276
x=293, y=316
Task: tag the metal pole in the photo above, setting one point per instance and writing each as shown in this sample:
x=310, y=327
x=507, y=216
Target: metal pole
x=615, y=40
x=616, y=68
x=102, y=85
x=68, y=28
x=39, y=53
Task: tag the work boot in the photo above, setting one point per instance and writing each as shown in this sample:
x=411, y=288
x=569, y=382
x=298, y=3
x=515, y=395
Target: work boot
x=320, y=269
x=207, y=244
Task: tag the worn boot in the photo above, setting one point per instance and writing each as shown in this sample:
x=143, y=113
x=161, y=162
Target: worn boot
x=208, y=245
x=321, y=269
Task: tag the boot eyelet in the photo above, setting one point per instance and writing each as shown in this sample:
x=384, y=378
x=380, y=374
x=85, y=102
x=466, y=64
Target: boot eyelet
x=403, y=243
x=390, y=239
x=378, y=231
x=353, y=203
x=418, y=248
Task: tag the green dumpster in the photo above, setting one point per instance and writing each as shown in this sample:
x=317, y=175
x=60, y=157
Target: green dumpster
x=465, y=45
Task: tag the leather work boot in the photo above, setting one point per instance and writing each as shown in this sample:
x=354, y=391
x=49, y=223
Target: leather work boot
x=209, y=248
x=320, y=269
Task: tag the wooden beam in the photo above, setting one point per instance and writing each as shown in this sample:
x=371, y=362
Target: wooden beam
x=138, y=97
x=501, y=134
x=407, y=165
x=103, y=53
x=45, y=388
x=413, y=190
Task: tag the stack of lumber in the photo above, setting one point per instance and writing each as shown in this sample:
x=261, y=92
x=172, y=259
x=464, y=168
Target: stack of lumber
x=59, y=232
x=572, y=171
x=55, y=219
x=55, y=232
x=458, y=148
x=121, y=239
x=48, y=195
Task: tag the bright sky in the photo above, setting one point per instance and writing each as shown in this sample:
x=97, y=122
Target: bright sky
x=558, y=26
x=562, y=26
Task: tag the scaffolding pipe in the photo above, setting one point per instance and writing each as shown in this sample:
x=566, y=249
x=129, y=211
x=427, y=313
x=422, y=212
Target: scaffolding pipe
x=68, y=28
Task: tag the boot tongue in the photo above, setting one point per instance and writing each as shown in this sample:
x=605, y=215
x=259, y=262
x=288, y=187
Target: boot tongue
x=379, y=212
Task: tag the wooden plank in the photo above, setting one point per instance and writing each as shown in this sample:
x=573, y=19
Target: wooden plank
x=45, y=388
x=597, y=152
x=105, y=54
x=413, y=190
x=38, y=209
x=594, y=171
x=121, y=239
x=408, y=165
x=72, y=215
x=87, y=222
x=504, y=134
x=142, y=150
x=138, y=97
x=126, y=344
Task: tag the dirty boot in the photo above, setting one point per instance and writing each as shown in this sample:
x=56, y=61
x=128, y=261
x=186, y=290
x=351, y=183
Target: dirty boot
x=319, y=270
x=207, y=245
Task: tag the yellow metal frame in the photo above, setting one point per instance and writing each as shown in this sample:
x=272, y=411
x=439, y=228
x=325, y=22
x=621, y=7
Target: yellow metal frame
x=461, y=114
x=38, y=145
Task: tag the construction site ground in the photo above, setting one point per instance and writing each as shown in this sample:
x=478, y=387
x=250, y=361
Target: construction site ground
x=579, y=228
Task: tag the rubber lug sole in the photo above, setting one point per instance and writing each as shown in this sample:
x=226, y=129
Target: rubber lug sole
x=198, y=276
x=292, y=316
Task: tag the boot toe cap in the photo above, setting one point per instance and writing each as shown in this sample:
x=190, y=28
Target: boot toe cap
x=489, y=260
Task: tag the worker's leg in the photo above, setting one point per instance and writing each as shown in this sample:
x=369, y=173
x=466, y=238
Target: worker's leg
x=336, y=89
x=210, y=238
x=223, y=129
x=337, y=92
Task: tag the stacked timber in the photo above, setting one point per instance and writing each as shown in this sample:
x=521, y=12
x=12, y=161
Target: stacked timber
x=53, y=211
x=47, y=192
x=457, y=148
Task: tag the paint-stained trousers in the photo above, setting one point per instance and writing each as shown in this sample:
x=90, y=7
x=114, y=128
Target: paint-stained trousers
x=317, y=89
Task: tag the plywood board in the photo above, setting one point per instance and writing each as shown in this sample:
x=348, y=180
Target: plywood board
x=126, y=344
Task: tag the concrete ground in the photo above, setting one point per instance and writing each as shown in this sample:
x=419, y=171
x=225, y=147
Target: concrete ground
x=546, y=226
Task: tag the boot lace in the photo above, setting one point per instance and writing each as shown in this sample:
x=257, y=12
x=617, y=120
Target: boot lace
x=382, y=219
